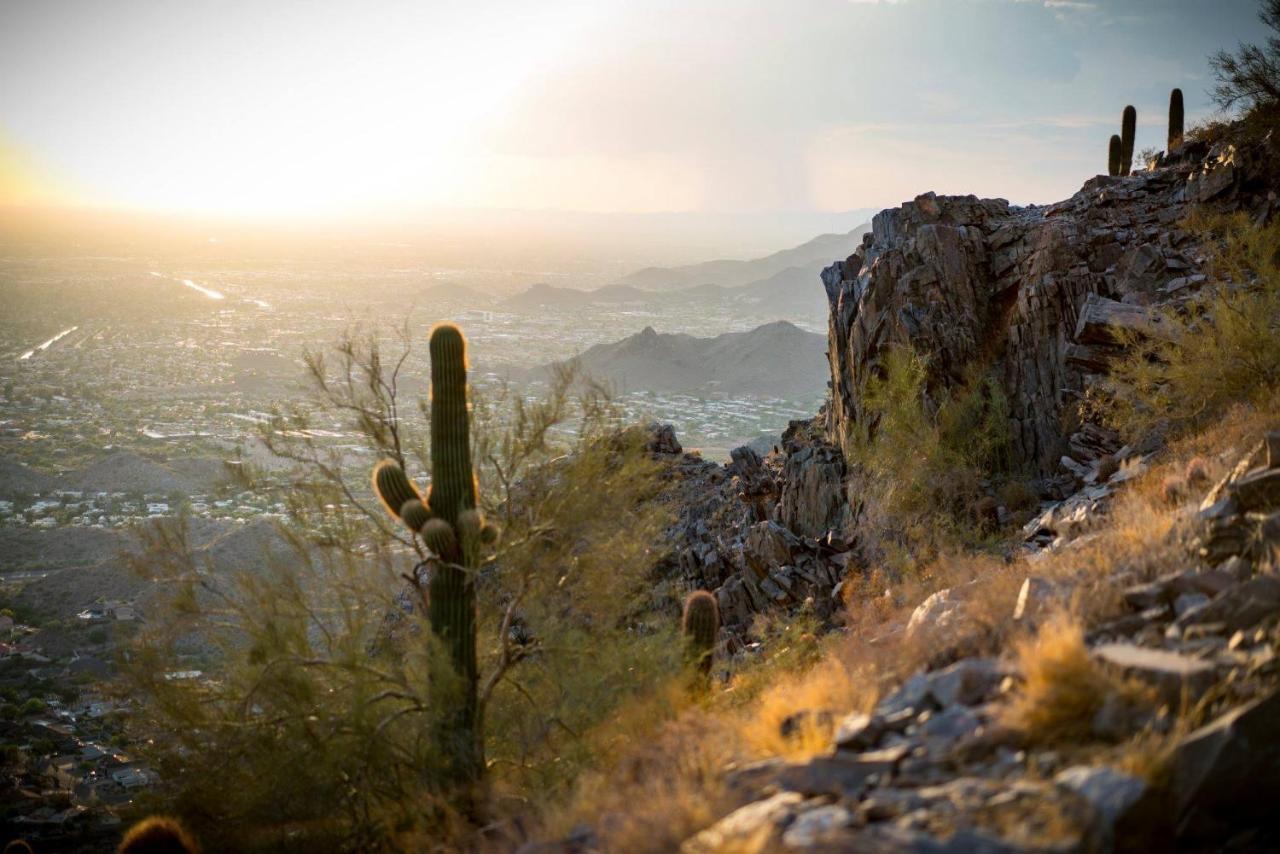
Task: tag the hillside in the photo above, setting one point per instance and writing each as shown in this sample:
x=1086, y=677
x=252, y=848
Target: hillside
x=17, y=479
x=542, y=295
x=1075, y=655
x=775, y=360
x=124, y=471
x=815, y=254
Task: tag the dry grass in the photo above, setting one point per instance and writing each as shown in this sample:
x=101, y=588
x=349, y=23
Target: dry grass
x=667, y=787
x=1062, y=688
x=795, y=718
x=661, y=777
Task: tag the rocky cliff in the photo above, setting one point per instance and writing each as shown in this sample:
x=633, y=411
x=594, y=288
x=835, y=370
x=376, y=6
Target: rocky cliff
x=1032, y=296
x=1029, y=295
x=1169, y=667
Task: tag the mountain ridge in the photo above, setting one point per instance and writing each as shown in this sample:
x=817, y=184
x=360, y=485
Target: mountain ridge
x=776, y=359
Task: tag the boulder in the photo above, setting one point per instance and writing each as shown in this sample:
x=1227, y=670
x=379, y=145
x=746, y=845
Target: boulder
x=768, y=546
x=746, y=828
x=826, y=828
x=1239, y=607
x=968, y=682
x=1257, y=491
x=839, y=776
x=1171, y=674
x=662, y=440
x=1225, y=775
x=813, y=500
x=1116, y=798
x=935, y=613
x=1036, y=596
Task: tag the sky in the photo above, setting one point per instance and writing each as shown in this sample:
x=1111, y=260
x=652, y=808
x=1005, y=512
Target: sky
x=372, y=108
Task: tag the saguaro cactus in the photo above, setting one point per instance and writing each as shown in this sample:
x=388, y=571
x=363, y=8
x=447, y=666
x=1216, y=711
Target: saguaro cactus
x=1114, y=155
x=1176, y=117
x=1128, y=131
x=700, y=625
x=452, y=528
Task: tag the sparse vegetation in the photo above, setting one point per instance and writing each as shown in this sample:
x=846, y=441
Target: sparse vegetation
x=1062, y=688
x=924, y=457
x=317, y=728
x=1249, y=78
x=1221, y=348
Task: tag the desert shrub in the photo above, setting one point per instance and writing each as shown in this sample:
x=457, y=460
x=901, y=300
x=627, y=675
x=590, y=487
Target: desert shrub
x=1221, y=348
x=313, y=727
x=1063, y=688
x=925, y=458
x=1250, y=77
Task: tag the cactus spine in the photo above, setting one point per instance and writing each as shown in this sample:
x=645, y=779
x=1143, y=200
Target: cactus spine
x=700, y=625
x=1128, y=132
x=1114, y=155
x=1176, y=117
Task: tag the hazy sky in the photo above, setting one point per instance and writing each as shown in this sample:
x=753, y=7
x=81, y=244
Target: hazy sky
x=347, y=108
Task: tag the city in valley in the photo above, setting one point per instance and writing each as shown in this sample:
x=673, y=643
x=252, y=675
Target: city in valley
x=132, y=389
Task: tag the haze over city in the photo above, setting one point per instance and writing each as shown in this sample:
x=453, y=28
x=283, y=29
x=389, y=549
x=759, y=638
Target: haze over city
x=735, y=126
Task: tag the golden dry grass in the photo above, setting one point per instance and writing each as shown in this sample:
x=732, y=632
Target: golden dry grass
x=666, y=786
x=1062, y=688
x=662, y=778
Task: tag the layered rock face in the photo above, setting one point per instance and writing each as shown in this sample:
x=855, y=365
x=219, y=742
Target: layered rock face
x=1032, y=296
x=761, y=532
x=1029, y=295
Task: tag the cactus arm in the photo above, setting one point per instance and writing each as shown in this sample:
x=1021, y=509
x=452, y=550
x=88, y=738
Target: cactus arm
x=1128, y=133
x=1177, y=118
x=453, y=486
x=393, y=487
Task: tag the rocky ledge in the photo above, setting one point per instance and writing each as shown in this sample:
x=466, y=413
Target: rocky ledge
x=1032, y=296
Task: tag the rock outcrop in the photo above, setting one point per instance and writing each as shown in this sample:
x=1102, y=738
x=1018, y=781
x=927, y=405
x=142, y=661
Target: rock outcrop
x=1032, y=296
x=760, y=532
x=936, y=767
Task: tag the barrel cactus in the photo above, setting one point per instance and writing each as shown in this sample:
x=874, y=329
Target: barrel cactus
x=453, y=529
x=700, y=626
x=1176, y=119
x=1128, y=133
x=1114, y=155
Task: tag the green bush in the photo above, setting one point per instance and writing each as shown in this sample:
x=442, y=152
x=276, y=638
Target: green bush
x=1221, y=348
x=925, y=457
x=317, y=729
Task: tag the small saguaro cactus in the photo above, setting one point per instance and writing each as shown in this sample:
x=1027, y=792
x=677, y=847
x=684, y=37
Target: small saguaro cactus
x=453, y=529
x=1128, y=132
x=1114, y=154
x=1176, y=118
x=700, y=626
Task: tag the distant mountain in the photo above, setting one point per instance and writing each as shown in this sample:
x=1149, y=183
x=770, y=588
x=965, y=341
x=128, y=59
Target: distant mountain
x=542, y=295
x=793, y=291
x=815, y=254
x=19, y=480
x=452, y=293
x=775, y=360
x=784, y=284
x=125, y=471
